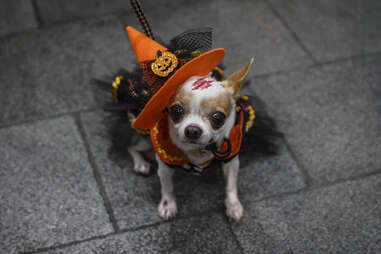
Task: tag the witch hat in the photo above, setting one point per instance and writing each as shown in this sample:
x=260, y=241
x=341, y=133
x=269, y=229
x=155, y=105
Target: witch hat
x=164, y=70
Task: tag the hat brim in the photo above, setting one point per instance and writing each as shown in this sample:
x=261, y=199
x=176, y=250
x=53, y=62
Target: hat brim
x=199, y=66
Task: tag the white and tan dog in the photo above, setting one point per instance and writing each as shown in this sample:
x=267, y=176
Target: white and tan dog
x=200, y=114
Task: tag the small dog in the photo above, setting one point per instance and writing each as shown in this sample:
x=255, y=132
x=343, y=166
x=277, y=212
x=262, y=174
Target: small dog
x=201, y=112
x=178, y=96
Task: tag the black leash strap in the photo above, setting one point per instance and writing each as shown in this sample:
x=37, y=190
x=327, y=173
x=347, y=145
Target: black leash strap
x=220, y=155
x=142, y=19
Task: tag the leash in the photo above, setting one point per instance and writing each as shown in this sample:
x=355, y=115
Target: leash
x=142, y=19
x=217, y=154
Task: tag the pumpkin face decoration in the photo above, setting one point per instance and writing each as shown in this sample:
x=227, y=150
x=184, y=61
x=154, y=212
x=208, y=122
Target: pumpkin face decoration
x=164, y=64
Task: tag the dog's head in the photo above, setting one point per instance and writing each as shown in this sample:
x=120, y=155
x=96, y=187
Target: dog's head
x=202, y=111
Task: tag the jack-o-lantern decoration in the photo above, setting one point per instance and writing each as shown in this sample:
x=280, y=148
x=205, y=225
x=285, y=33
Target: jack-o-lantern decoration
x=164, y=64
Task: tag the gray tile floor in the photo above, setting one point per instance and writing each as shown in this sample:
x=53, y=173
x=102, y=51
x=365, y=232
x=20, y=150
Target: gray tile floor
x=318, y=68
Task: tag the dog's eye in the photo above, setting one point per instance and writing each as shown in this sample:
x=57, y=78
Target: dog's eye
x=217, y=119
x=176, y=112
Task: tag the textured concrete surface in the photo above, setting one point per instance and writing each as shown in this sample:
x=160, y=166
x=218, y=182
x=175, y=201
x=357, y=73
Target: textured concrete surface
x=64, y=189
x=48, y=194
x=263, y=177
x=331, y=116
x=57, y=11
x=132, y=196
x=194, y=235
x=334, y=29
x=49, y=72
x=16, y=16
x=344, y=218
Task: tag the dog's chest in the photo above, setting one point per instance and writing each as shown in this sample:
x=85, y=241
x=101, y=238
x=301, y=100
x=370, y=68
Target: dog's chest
x=199, y=157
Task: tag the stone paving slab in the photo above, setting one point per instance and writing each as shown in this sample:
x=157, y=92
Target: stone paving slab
x=245, y=30
x=53, y=11
x=204, y=234
x=48, y=195
x=263, y=177
x=49, y=72
x=16, y=16
x=344, y=218
x=334, y=29
x=134, y=198
x=331, y=116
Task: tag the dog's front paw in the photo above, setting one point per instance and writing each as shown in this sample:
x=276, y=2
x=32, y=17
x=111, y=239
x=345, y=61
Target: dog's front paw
x=234, y=210
x=167, y=208
x=142, y=167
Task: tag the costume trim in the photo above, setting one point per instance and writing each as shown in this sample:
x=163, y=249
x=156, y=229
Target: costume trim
x=131, y=118
x=163, y=145
x=251, y=111
x=115, y=86
x=220, y=71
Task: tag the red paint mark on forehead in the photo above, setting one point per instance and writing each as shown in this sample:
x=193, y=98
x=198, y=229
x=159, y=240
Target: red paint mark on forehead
x=202, y=84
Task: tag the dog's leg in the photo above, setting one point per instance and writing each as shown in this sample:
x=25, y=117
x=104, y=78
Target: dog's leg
x=234, y=209
x=167, y=207
x=140, y=164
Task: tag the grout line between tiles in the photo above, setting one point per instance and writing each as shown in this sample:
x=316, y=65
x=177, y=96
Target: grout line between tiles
x=310, y=66
x=319, y=186
x=42, y=25
x=292, y=32
x=37, y=13
x=235, y=238
x=349, y=58
x=116, y=14
x=306, y=176
x=44, y=118
x=122, y=231
x=96, y=173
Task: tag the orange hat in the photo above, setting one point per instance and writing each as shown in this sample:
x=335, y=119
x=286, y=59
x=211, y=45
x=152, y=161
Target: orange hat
x=164, y=72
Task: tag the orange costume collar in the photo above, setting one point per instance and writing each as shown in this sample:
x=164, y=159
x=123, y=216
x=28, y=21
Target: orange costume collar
x=173, y=156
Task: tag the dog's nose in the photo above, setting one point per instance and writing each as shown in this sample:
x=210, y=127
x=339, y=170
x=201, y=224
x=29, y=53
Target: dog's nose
x=193, y=132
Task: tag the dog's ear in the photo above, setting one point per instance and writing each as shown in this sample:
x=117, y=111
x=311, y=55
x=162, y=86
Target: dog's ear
x=235, y=81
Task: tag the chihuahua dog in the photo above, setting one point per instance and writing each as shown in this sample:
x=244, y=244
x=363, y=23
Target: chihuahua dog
x=201, y=112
